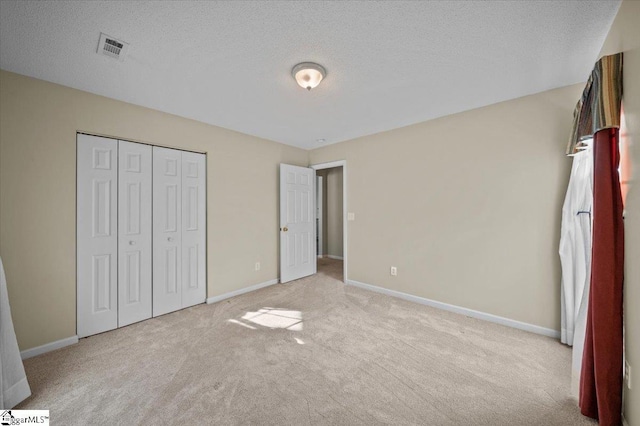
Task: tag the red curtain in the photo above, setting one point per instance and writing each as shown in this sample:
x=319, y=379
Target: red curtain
x=601, y=378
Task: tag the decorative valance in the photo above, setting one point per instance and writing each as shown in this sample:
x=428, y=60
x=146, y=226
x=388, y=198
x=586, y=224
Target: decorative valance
x=599, y=106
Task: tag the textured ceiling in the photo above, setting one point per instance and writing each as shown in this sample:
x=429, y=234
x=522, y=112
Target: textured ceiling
x=389, y=64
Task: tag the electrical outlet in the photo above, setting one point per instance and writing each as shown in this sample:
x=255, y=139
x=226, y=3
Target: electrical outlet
x=627, y=374
x=394, y=271
x=257, y=266
x=351, y=216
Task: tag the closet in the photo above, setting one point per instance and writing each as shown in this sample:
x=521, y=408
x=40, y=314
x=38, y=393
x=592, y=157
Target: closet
x=141, y=242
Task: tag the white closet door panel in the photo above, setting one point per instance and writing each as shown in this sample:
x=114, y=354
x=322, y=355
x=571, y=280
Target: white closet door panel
x=134, y=232
x=97, y=234
x=193, y=229
x=167, y=224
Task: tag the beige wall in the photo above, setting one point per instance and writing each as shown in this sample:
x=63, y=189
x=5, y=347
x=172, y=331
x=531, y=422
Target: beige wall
x=334, y=220
x=624, y=36
x=332, y=212
x=38, y=124
x=468, y=207
x=325, y=242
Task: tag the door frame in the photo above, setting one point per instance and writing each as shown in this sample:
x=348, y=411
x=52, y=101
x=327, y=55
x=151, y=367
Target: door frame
x=345, y=233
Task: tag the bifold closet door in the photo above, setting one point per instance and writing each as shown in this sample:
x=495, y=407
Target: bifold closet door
x=179, y=234
x=193, y=229
x=134, y=232
x=167, y=230
x=97, y=234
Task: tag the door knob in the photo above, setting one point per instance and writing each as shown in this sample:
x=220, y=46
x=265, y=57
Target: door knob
x=132, y=243
x=170, y=239
x=285, y=229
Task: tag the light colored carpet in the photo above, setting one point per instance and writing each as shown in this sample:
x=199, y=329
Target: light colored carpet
x=313, y=351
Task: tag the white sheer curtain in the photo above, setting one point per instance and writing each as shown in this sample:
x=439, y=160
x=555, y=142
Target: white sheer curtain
x=14, y=387
x=575, y=257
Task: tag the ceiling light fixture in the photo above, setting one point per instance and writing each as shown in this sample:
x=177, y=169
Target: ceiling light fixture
x=308, y=74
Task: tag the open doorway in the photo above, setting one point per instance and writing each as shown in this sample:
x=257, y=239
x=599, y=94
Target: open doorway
x=331, y=215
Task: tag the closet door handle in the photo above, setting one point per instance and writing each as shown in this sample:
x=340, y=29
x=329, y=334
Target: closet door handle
x=132, y=243
x=170, y=239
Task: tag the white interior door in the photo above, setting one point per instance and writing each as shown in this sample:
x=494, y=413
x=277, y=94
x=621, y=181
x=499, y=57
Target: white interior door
x=167, y=224
x=297, y=222
x=97, y=234
x=134, y=232
x=193, y=229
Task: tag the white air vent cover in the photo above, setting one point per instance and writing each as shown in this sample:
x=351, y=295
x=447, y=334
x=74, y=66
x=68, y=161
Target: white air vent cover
x=112, y=47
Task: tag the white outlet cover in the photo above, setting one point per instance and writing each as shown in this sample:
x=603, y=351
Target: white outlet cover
x=351, y=216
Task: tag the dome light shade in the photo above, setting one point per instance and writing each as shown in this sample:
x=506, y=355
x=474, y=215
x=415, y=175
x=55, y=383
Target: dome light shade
x=308, y=74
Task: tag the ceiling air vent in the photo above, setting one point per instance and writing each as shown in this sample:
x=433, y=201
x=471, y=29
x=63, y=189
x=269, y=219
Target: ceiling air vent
x=112, y=47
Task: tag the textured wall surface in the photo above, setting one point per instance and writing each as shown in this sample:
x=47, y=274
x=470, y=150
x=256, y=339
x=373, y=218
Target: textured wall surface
x=38, y=124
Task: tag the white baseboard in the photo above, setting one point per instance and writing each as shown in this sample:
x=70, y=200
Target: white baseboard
x=39, y=350
x=234, y=293
x=320, y=256
x=624, y=422
x=460, y=310
x=330, y=256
